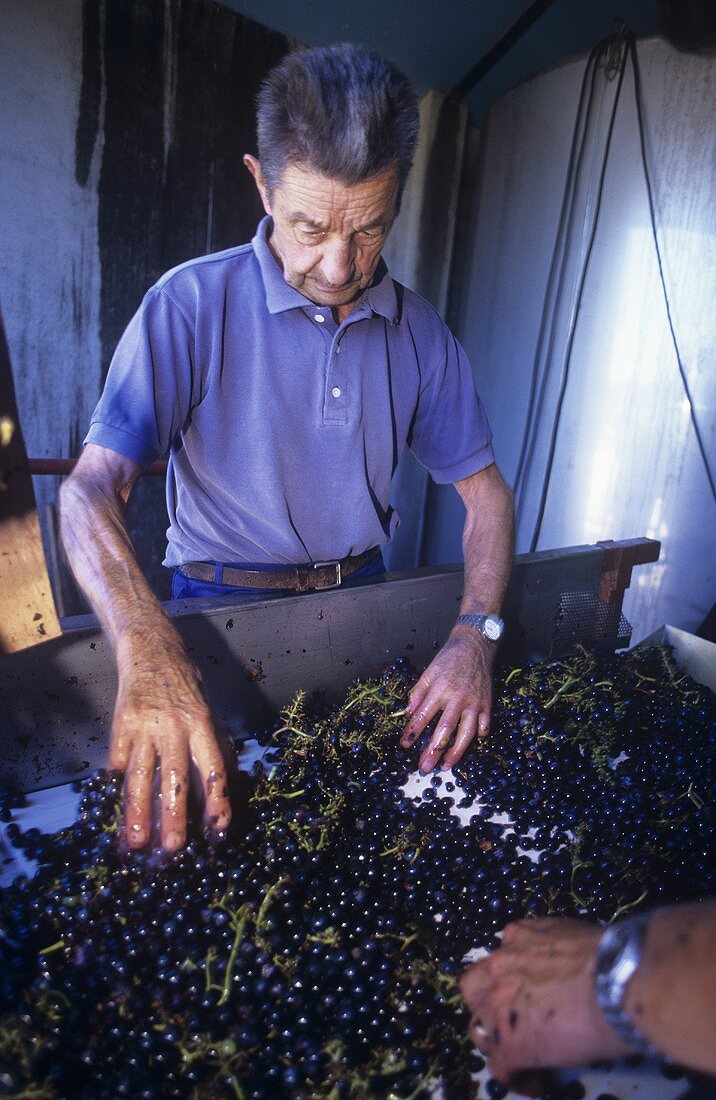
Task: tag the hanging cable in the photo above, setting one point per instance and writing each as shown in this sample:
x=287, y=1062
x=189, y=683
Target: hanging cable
x=602, y=56
x=577, y=305
x=553, y=290
x=614, y=53
x=652, y=218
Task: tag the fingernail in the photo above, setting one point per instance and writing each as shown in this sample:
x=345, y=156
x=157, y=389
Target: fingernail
x=137, y=835
x=173, y=841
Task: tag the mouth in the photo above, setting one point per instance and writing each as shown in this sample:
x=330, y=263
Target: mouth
x=331, y=288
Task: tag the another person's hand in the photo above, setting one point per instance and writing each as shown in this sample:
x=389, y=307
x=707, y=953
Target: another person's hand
x=457, y=682
x=532, y=999
x=161, y=719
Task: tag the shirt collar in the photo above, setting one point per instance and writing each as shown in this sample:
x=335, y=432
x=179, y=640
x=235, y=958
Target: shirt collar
x=380, y=297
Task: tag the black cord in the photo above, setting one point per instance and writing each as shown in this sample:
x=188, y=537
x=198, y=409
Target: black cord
x=573, y=324
x=606, y=54
x=622, y=44
x=652, y=219
x=553, y=290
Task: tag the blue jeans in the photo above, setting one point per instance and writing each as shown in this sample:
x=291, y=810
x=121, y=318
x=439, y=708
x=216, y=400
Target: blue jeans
x=183, y=588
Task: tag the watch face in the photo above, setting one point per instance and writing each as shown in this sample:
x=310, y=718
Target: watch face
x=493, y=628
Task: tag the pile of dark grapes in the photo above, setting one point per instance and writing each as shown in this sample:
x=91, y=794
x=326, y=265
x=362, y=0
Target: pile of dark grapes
x=312, y=950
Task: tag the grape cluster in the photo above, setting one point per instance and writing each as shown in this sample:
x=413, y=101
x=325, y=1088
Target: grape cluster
x=311, y=951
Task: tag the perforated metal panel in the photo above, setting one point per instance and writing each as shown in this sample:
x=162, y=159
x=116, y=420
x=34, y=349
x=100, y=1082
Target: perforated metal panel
x=582, y=618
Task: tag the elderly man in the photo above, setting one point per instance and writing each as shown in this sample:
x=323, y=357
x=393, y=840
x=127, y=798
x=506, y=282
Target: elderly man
x=284, y=378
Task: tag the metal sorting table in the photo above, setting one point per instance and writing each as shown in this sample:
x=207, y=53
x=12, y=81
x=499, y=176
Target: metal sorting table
x=254, y=656
x=56, y=699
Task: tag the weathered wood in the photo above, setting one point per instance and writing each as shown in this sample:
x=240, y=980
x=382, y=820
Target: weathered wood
x=27, y=607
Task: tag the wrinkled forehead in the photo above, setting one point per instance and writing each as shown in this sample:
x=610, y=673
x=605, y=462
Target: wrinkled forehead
x=305, y=194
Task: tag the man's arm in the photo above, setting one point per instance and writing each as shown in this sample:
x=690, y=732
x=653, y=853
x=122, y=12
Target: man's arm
x=458, y=681
x=160, y=715
x=533, y=1003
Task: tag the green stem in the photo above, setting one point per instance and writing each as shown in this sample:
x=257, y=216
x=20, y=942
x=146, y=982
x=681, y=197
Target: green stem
x=626, y=908
x=239, y=929
x=236, y=1088
x=560, y=691
x=53, y=947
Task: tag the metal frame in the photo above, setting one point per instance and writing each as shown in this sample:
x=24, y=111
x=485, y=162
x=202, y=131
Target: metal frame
x=57, y=699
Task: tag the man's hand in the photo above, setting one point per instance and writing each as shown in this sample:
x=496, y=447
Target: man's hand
x=457, y=682
x=532, y=1000
x=161, y=719
x=160, y=716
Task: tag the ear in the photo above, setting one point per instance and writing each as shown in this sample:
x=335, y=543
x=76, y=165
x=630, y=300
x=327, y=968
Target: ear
x=255, y=169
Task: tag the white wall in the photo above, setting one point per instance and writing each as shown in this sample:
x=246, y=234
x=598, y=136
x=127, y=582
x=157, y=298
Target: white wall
x=122, y=128
x=626, y=462
x=49, y=259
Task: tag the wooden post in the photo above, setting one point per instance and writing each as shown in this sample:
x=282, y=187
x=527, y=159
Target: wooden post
x=27, y=606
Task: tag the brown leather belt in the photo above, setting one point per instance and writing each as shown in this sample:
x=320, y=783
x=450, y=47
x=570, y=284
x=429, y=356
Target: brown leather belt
x=293, y=578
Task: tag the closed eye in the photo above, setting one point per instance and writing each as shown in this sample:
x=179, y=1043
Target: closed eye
x=372, y=233
x=309, y=234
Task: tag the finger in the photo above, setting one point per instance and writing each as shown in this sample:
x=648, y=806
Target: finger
x=479, y=1033
x=483, y=723
x=465, y=734
x=515, y=930
x=174, y=785
x=438, y=742
x=473, y=983
x=209, y=762
x=120, y=745
x=415, y=701
x=418, y=692
x=506, y=1058
x=421, y=718
x=138, y=793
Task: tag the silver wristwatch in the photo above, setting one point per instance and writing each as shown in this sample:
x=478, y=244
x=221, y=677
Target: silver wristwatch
x=618, y=957
x=490, y=626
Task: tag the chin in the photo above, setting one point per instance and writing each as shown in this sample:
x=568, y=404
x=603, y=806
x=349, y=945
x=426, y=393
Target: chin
x=341, y=296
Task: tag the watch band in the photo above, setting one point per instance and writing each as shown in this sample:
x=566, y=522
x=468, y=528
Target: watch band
x=618, y=958
x=490, y=626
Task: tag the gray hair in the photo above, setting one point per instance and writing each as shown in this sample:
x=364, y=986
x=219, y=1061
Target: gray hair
x=339, y=110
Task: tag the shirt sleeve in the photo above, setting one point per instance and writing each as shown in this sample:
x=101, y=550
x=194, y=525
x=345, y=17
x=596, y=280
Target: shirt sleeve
x=450, y=434
x=148, y=393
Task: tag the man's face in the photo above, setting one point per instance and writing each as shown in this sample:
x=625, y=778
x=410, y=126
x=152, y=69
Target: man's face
x=327, y=235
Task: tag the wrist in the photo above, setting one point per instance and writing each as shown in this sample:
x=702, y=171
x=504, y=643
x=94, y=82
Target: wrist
x=618, y=958
x=153, y=646
x=489, y=627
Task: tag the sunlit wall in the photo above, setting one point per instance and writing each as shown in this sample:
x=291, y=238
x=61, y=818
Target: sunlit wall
x=626, y=462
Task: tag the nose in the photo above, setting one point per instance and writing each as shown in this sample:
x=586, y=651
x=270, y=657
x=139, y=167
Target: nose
x=338, y=263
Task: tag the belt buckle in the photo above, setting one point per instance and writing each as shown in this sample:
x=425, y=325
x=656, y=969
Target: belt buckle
x=329, y=584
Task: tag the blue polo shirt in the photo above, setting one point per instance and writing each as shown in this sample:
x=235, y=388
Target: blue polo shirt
x=283, y=429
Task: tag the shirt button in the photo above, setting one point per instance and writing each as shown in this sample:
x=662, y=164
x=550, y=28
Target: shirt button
x=336, y=391
x=320, y=318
